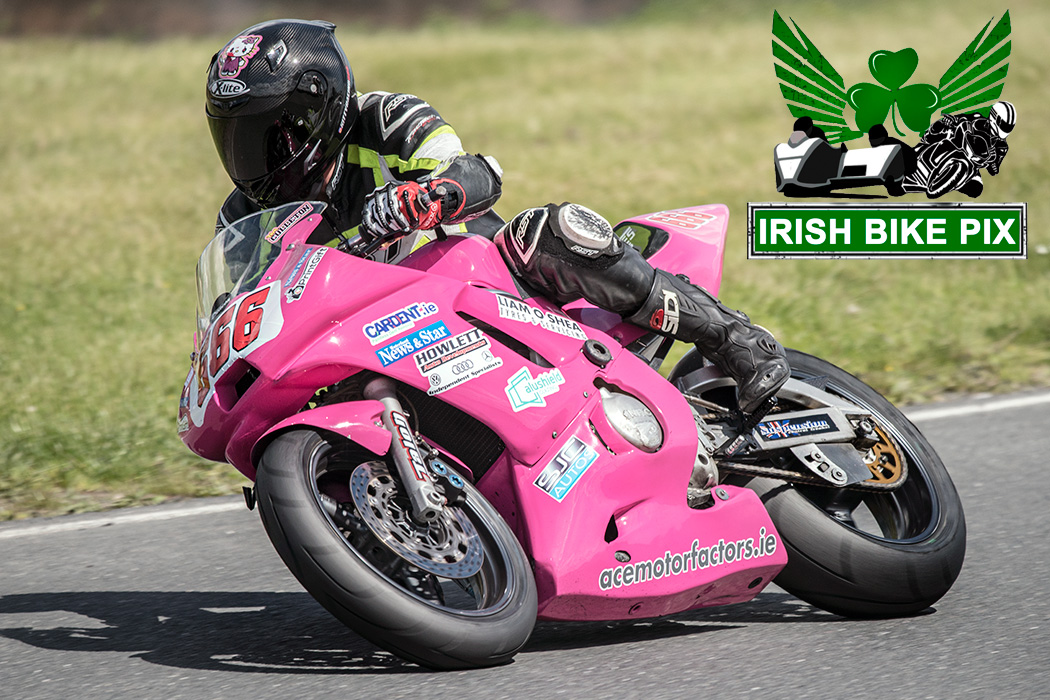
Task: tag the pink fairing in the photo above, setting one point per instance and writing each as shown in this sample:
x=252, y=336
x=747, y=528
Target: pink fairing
x=612, y=537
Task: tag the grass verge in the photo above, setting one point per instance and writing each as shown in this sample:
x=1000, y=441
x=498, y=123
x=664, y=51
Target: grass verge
x=112, y=185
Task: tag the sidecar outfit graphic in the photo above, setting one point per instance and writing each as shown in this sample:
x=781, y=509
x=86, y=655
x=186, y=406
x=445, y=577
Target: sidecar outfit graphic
x=808, y=166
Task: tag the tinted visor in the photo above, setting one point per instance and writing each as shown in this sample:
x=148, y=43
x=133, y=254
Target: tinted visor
x=302, y=177
x=254, y=146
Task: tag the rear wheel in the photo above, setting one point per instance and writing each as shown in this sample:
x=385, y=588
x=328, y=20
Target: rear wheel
x=458, y=593
x=869, y=553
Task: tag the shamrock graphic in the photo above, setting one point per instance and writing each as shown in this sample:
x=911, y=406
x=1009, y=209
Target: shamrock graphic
x=813, y=88
x=915, y=103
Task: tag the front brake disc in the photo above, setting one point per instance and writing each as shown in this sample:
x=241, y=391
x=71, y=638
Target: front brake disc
x=448, y=546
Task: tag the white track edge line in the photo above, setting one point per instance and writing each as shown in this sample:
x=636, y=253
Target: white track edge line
x=120, y=518
x=924, y=414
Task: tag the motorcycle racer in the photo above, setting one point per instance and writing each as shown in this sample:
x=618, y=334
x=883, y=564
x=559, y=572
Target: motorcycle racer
x=956, y=147
x=289, y=125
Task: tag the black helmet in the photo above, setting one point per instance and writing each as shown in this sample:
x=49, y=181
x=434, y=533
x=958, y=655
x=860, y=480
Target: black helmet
x=281, y=104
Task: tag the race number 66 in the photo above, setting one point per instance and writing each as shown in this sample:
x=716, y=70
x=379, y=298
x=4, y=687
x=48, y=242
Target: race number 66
x=246, y=317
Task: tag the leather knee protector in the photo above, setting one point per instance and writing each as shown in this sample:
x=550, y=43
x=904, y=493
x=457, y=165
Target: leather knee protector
x=568, y=251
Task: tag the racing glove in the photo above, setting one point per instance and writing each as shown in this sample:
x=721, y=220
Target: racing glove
x=398, y=208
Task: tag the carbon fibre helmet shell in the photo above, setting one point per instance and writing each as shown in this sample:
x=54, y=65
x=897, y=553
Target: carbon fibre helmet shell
x=281, y=104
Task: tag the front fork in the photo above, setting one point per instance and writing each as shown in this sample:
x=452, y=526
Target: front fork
x=423, y=495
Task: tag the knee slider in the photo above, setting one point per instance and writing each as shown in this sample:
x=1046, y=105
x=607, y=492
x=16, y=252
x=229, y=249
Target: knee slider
x=566, y=232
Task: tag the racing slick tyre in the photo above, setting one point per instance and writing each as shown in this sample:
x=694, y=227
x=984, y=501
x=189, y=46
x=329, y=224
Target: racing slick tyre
x=887, y=551
x=863, y=553
x=457, y=593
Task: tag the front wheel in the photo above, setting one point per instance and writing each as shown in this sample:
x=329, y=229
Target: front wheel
x=864, y=553
x=458, y=593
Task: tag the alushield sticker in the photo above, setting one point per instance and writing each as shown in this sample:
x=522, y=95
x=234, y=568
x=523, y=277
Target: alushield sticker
x=526, y=392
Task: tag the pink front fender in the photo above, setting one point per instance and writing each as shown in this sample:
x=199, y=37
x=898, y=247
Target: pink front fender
x=360, y=421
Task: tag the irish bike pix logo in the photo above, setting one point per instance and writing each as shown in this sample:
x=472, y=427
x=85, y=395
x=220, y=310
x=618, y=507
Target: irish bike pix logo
x=904, y=138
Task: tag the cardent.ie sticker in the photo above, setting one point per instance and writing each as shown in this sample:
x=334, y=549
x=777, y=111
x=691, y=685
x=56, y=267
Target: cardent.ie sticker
x=526, y=392
x=398, y=322
x=458, y=359
x=517, y=310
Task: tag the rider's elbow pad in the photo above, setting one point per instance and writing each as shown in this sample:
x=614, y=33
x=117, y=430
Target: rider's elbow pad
x=476, y=184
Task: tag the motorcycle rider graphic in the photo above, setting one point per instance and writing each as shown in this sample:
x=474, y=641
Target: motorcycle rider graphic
x=956, y=147
x=292, y=127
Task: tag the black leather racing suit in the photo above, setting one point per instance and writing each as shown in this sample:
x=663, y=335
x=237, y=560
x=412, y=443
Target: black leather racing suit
x=564, y=252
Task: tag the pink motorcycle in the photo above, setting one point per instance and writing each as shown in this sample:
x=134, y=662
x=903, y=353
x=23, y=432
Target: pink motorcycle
x=441, y=458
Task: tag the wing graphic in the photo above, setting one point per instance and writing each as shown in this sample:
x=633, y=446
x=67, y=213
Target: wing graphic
x=811, y=85
x=975, y=80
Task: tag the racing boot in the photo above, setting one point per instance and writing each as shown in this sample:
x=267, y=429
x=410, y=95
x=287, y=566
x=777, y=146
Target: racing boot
x=747, y=353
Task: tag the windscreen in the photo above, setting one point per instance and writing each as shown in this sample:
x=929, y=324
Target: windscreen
x=236, y=259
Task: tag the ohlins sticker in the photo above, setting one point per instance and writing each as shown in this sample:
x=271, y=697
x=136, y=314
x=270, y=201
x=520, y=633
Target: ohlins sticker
x=783, y=429
x=295, y=291
x=562, y=473
x=234, y=58
x=696, y=558
x=526, y=392
x=458, y=359
x=292, y=219
x=666, y=319
x=424, y=337
x=398, y=322
x=517, y=310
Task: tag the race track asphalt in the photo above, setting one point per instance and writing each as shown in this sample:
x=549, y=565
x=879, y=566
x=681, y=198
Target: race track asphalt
x=190, y=601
